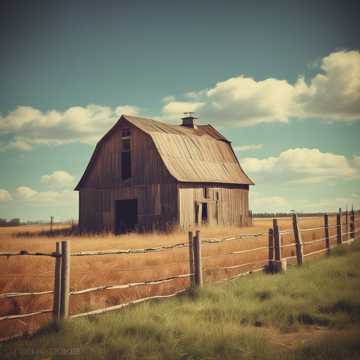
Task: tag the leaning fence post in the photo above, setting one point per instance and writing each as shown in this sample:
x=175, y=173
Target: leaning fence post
x=65, y=279
x=277, y=248
x=271, y=250
x=338, y=228
x=326, y=232
x=197, y=260
x=298, y=240
x=57, y=283
x=191, y=258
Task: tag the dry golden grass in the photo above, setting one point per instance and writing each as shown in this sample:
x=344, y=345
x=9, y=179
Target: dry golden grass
x=27, y=273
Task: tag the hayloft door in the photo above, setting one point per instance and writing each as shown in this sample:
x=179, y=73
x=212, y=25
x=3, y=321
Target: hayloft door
x=126, y=215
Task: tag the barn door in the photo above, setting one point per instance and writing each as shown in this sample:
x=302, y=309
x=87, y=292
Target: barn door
x=126, y=215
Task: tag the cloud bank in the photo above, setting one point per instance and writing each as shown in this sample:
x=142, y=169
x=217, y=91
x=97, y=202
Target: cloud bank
x=302, y=166
x=28, y=126
x=58, y=179
x=332, y=94
x=28, y=195
x=60, y=184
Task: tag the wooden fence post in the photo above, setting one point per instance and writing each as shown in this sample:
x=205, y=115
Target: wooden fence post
x=65, y=279
x=279, y=266
x=347, y=236
x=352, y=224
x=191, y=258
x=338, y=227
x=326, y=232
x=298, y=240
x=197, y=260
x=51, y=224
x=271, y=250
x=57, y=283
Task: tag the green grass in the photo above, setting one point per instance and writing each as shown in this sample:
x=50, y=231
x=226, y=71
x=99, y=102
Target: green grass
x=242, y=319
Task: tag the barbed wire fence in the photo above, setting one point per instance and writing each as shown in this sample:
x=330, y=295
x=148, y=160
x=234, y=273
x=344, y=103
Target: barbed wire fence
x=347, y=230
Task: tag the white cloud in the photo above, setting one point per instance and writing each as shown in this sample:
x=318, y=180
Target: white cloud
x=302, y=165
x=29, y=126
x=58, y=179
x=27, y=194
x=335, y=93
x=248, y=147
x=332, y=94
x=4, y=196
x=250, y=101
x=177, y=108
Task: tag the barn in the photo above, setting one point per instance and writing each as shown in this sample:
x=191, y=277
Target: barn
x=145, y=174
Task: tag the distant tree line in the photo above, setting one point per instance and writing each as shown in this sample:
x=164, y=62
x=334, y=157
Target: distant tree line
x=11, y=222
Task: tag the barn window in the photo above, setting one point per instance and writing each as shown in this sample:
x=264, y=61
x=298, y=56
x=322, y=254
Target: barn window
x=125, y=154
x=125, y=165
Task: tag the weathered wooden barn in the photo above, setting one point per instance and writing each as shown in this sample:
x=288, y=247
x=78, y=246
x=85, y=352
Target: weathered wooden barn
x=146, y=174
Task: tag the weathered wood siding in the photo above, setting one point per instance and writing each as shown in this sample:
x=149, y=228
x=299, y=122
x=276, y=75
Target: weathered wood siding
x=157, y=206
x=151, y=184
x=146, y=164
x=227, y=204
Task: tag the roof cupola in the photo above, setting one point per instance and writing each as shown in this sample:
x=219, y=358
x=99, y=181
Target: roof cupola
x=188, y=120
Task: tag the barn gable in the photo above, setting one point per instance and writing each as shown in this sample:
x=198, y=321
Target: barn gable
x=105, y=167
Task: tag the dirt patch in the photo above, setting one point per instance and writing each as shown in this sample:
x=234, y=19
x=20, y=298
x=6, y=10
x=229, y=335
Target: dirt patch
x=302, y=337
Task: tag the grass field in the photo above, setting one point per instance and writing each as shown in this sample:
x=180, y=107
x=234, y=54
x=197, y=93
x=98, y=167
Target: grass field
x=24, y=274
x=311, y=312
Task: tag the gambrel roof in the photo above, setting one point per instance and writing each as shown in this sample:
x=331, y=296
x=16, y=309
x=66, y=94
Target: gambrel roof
x=196, y=155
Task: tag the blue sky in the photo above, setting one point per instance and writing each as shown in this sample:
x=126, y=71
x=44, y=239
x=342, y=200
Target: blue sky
x=280, y=79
